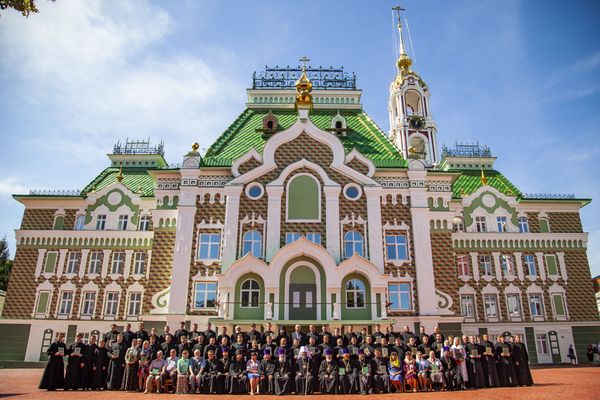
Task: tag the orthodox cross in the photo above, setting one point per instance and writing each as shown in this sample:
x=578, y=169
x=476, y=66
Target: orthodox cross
x=398, y=9
x=304, y=60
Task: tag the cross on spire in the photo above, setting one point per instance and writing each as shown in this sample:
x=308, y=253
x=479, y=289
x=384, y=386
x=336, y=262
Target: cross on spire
x=398, y=9
x=304, y=60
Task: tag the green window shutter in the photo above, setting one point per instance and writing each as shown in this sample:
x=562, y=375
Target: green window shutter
x=544, y=227
x=50, y=263
x=59, y=223
x=551, y=265
x=303, y=198
x=42, y=305
x=559, y=306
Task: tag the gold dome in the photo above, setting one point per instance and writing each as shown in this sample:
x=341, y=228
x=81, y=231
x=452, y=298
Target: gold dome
x=303, y=87
x=195, y=147
x=404, y=62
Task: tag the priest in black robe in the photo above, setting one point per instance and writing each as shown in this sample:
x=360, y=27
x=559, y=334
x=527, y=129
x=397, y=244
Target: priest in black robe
x=266, y=369
x=451, y=373
x=226, y=361
x=237, y=377
x=211, y=378
x=100, y=366
x=116, y=365
x=75, y=352
x=111, y=336
x=506, y=368
x=304, y=372
x=86, y=376
x=348, y=374
x=282, y=377
x=381, y=378
x=328, y=374
x=365, y=373
x=475, y=365
x=521, y=362
x=54, y=373
x=489, y=363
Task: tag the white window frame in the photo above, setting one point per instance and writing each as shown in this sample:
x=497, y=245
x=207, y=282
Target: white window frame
x=287, y=200
x=144, y=224
x=115, y=261
x=354, y=242
x=493, y=296
x=486, y=266
x=542, y=345
x=396, y=246
x=523, y=225
x=529, y=262
x=502, y=223
x=563, y=298
x=85, y=302
x=314, y=237
x=61, y=312
x=251, y=290
x=355, y=292
x=101, y=222
x=206, y=240
x=462, y=264
x=48, y=304
x=507, y=265
x=480, y=224
x=95, y=261
x=139, y=262
x=252, y=241
x=134, y=303
x=519, y=306
x=473, y=306
x=123, y=222
x=206, y=292
x=73, y=262
x=109, y=300
x=79, y=222
x=539, y=296
x=399, y=292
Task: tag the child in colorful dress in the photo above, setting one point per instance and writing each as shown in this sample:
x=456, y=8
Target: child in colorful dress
x=410, y=371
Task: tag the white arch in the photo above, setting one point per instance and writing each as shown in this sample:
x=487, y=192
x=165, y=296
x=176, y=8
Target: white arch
x=237, y=163
x=304, y=163
x=245, y=265
x=362, y=266
x=358, y=155
x=286, y=286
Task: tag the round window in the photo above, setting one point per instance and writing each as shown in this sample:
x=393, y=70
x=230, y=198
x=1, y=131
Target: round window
x=254, y=191
x=352, y=192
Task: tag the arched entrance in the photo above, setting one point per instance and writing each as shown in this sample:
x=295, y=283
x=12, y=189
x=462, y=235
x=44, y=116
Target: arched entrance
x=302, y=292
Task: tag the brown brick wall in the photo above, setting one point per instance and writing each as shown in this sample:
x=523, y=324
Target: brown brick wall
x=20, y=297
x=248, y=166
x=38, y=219
x=565, y=222
x=163, y=247
x=534, y=224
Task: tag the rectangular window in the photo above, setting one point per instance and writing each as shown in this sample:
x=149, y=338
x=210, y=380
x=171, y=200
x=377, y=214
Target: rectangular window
x=502, y=224
x=118, y=263
x=145, y=223
x=523, y=225
x=400, y=296
x=205, y=294
x=112, y=302
x=101, y=222
x=210, y=246
x=139, y=263
x=291, y=237
x=89, y=303
x=42, y=305
x=314, y=237
x=480, y=224
x=467, y=303
x=541, y=344
x=490, y=302
x=95, y=262
x=73, y=262
x=135, y=303
x=66, y=303
x=123, y=222
x=485, y=263
x=551, y=264
x=463, y=265
x=536, y=305
x=559, y=305
x=396, y=247
x=80, y=222
x=544, y=225
x=50, y=266
x=308, y=299
x=513, y=305
x=506, y=263
x=530, y=264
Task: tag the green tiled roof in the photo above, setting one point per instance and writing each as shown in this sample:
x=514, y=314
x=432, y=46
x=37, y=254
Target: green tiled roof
x=133, y=178
x=470, y=181
x=363, y=134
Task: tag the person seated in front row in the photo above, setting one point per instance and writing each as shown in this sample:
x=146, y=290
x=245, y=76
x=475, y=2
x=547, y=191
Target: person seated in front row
x=170, y=370
x=183, y=373
x=395, y=371
x=436, y=374
x=154, y=373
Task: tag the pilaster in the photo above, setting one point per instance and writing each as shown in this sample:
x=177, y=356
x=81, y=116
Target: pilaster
x=274, y=194
x=233, y=193
x=332, y=210
x=375, y=228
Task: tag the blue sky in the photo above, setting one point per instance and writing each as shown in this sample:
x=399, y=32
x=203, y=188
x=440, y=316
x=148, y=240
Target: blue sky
x=520, y=76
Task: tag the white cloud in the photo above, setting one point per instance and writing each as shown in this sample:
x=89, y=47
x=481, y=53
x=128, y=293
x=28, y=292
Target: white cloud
x=11, y=185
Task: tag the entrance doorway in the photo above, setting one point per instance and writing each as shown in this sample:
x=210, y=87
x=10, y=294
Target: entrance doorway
x=302, y=301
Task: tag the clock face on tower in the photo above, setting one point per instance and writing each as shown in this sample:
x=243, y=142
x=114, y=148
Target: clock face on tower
x=417, y=122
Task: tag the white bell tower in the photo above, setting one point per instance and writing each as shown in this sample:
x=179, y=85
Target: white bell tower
x=412, y=128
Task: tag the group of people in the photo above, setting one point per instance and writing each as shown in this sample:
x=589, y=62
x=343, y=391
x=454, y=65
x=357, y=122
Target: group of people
x=280, y=363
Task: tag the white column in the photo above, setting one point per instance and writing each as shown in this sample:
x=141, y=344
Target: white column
x=40, y=262
x=422, y=243
x=541, y=265
x=519, y=263
x=273, y=220
x=562, y=265
x=148, y=262
x=61, y=262
x=332, y=209
x=337, y=309
x=180, y=273
x=128, y=258
x=231, y=225
x=475, y=266
x=497, y=266
x=374, y=226
x=83, y=262
x=105, y=263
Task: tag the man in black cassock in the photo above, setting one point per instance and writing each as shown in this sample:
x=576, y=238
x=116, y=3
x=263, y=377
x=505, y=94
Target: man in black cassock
x=506, y=368
x=116, y=365
x=304, y=372
x=521, y=362
x=86, y=375
x=100, y=366
x=282, y=377
x=348, y=374
x=111, y=336
x=381, y=378
x=475, y=365
x=54, y=373
x=128, y=335
x=211, y=378
x=142, y=334
x=489, y=362
x=237, y=377
x=328, y=374
x=365, y=373
x=266, y=369
x=75, y=353
x=451, y=374
x=226, y=360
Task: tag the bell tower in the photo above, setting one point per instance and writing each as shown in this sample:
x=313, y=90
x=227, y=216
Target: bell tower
x=412, y=129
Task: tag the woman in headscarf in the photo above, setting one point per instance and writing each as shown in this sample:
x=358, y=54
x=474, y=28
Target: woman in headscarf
x=460, y=355
x=395, y=371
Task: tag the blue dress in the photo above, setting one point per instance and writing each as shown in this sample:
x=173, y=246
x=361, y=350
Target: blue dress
x=392, y=369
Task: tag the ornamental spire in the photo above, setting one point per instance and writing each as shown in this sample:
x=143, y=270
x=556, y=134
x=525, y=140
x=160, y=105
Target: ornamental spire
x=404, y=62
x=483, y=178
x=304, y=99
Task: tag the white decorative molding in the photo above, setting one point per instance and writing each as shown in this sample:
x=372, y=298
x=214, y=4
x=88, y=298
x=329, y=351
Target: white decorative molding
x=249, y=155
x=362, y=159
x=160, y=301
x=444, y=302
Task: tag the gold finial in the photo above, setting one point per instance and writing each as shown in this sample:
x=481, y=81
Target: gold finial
x=195, y=147
x=483, y=178
x=304, y=87
x=412, y=150
x=462, y=192
x=404, y=62
x=120, y=176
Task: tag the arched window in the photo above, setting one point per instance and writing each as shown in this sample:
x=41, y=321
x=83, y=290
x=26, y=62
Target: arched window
x=145, y=223
x=250, y=293
x=458, y=225
x=353, y=244
x=355, y=294
x=338, y=125
x=304, y=199
x=252, y=243
x=79, y=223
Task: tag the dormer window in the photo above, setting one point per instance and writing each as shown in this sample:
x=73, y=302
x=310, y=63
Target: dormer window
x=270, y=124
x=338, y=124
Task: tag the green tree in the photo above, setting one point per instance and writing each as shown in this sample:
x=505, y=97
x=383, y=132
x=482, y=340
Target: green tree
x=25, y=7
x=5, y=264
